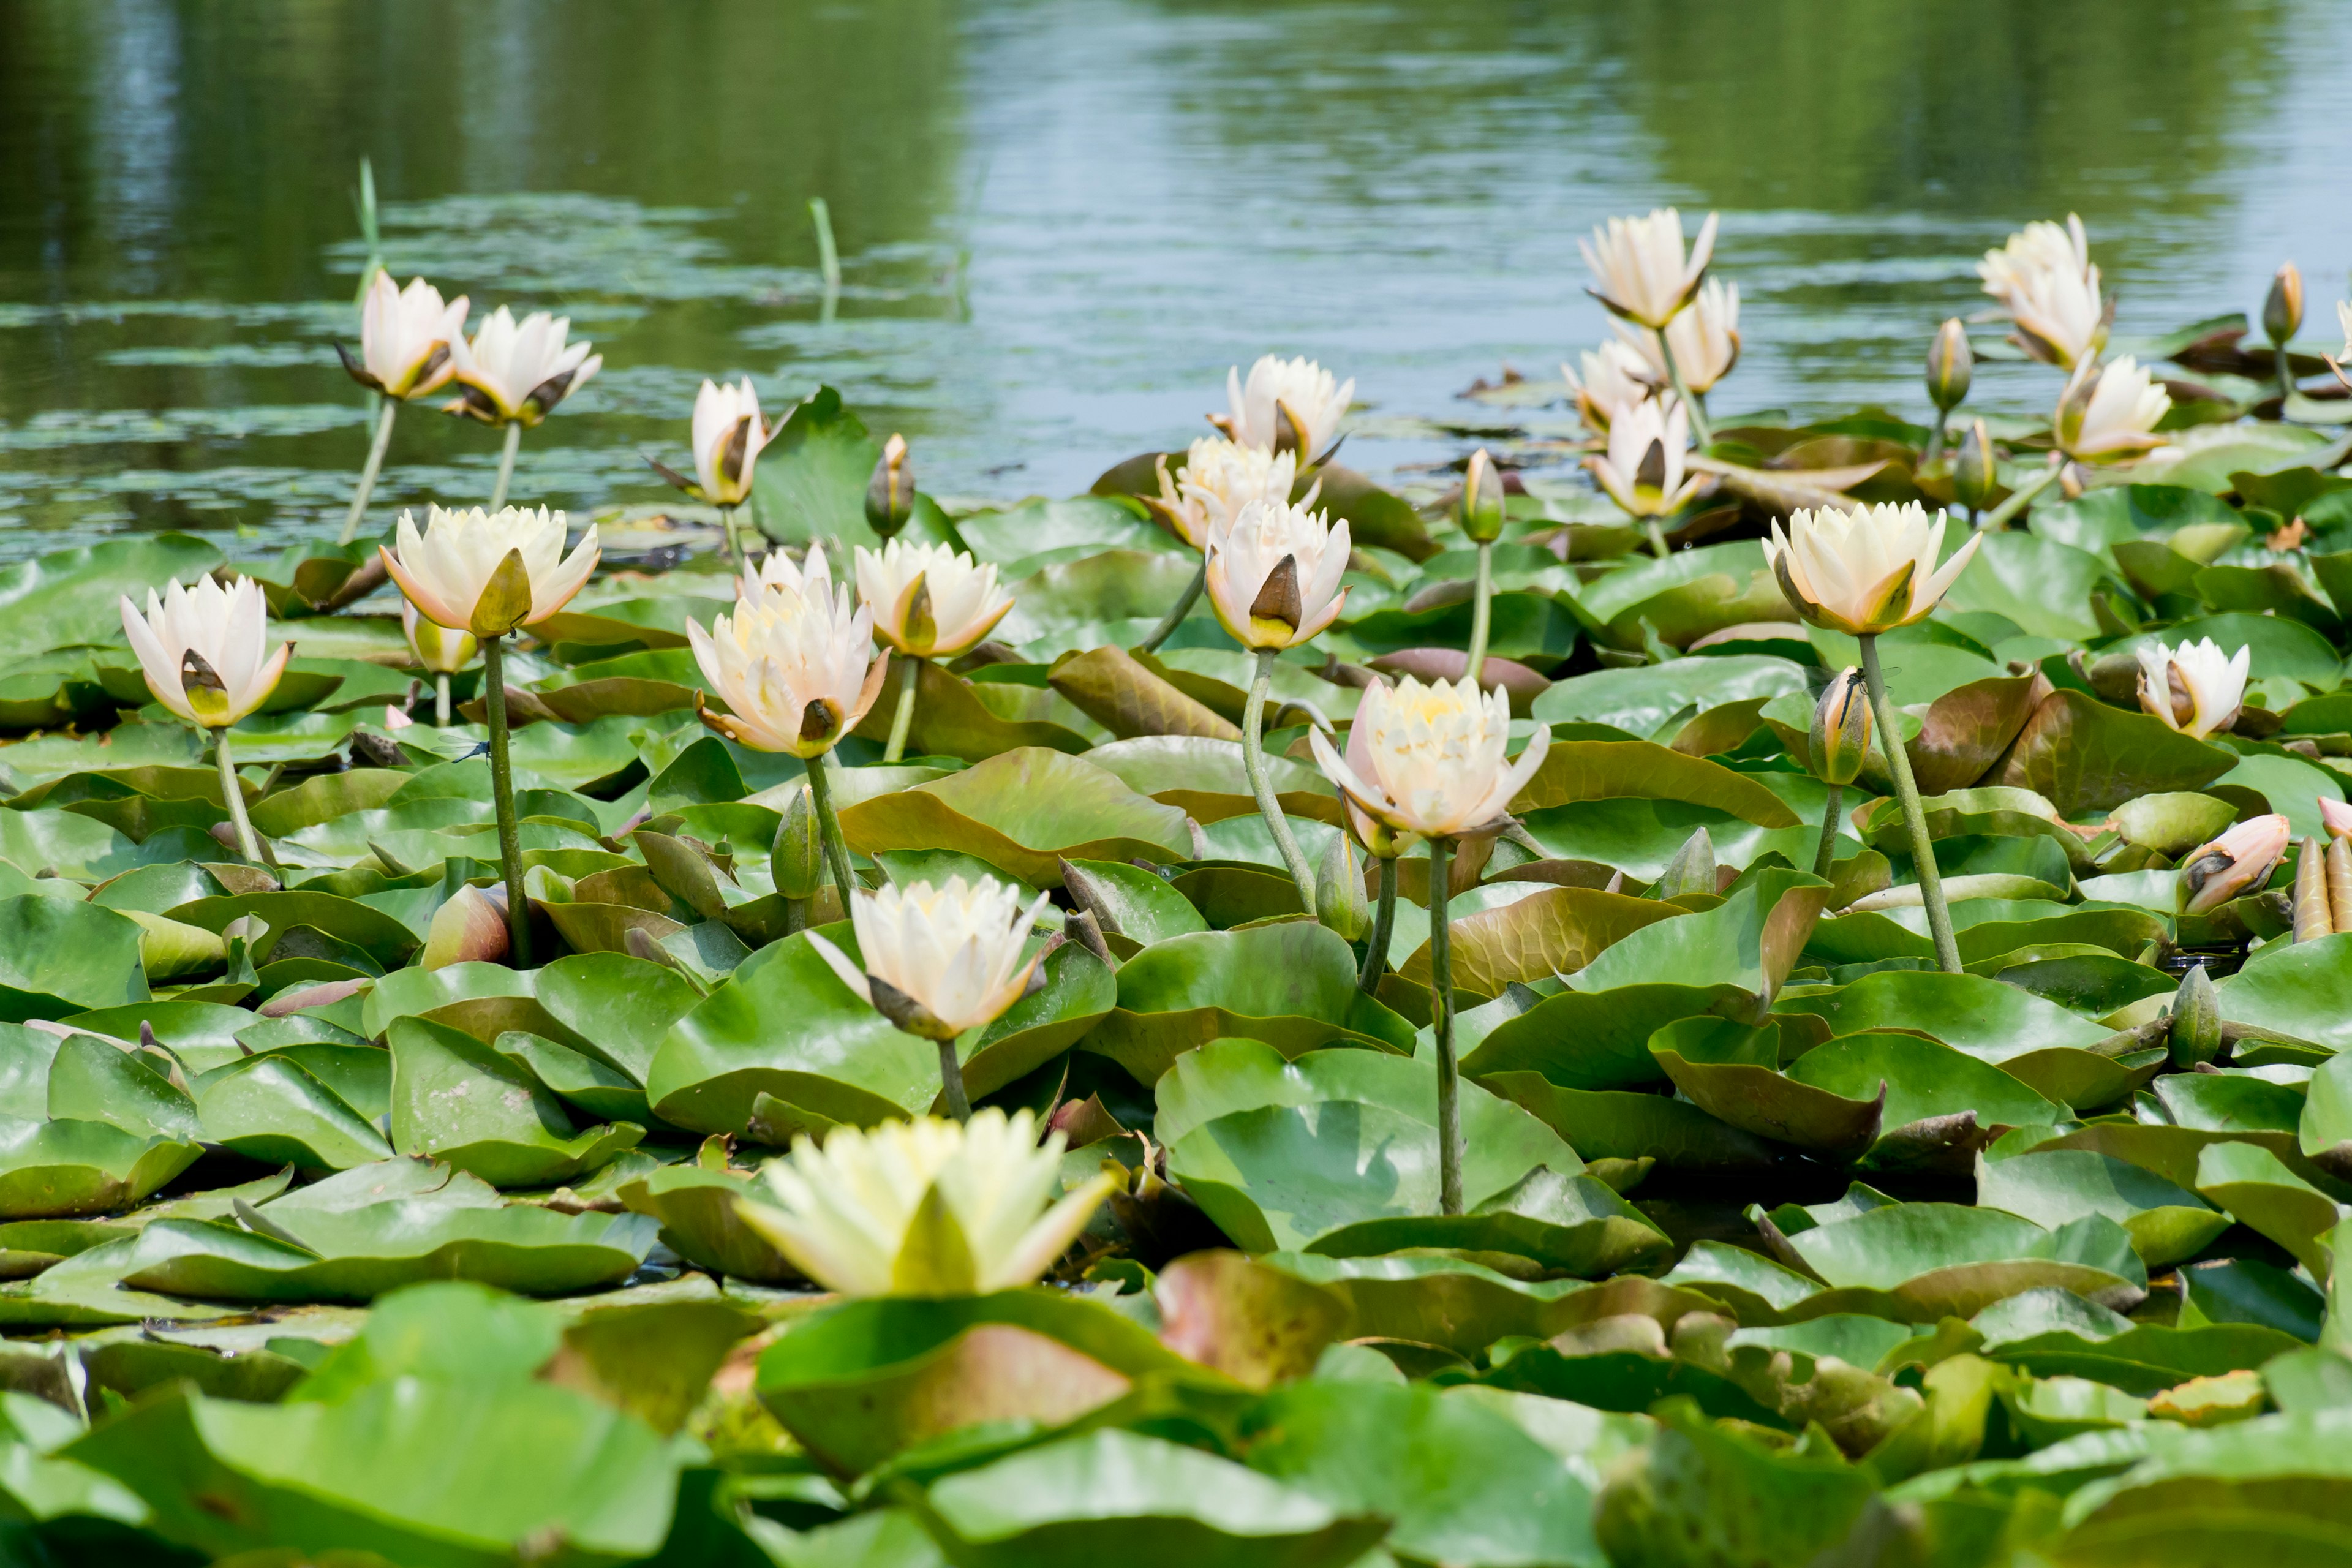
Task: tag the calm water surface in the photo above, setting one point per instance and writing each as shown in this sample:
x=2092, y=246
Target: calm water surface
x=1061, y=220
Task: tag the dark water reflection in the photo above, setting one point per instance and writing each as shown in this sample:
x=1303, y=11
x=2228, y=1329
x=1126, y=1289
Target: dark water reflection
x=1062, y=219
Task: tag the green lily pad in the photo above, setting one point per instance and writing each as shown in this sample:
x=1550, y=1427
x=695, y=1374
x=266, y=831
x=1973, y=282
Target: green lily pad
x=1919, y=1262
x=1685, y=596
x=51, y=1169
x=1643, y=701
x=2169, y=1225
x=1596, y=1040
x=457, y=1100
x=2084, y=755
x=270, y=1108
x=70, y=597
x=2261, y=1193
x=58, y=959
x=1023, y=812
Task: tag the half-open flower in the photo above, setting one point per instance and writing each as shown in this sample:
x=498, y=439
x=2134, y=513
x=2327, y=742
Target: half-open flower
x=811, y=576
x=1867, y=571
x=2196, y=688
x=939, y=961
x=1287, y=406
x=1705, y=338
x=517, y=374
x=2045, y=282
x=436, y=648
x=924, y=1207
x=2335, y=816
x=405, y=338
x=488, y=573
x=1220, y=477
x=1639, y=265
x=1613, y=381
x=2110, y=417
x=1272, y=573
x=1433, y=758
x=797, y=669
x=1642, y=469
x=929, y=600
x=728, y=434
x=2237, y=863
x=205, y=649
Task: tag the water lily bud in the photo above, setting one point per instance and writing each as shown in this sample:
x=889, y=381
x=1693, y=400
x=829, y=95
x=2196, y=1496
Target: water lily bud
x=1340, y=902
x=890, y=493
x=1951, y=365
x=2239, y=861
x=1975, y=472
x=2196, y=1020
x=2283, y=309
x=1692, y=871
x=1841, y=737
x=2339, y=883
x=1480, y=511
x=797, y=861
x=2312, y=916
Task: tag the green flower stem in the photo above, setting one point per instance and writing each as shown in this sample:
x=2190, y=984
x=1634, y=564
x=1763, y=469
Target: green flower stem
x=1826, y=856
x=1934, y=440
x=1254, y=760
x=1441, y=1016
x=2285, y=379
x=1376, y=955
x=375, y=466
x=1923, y=848
x=734, y=545
x=1657, y=533
x=2020, y=498
x=494, y=699
x=1183, y=606
x=828, y=832
x=441, y=699
x=902, y=722
x=1700, y=431
x=232, y=795
x=1481, y=611
x=951, y=1083
x=506, y=464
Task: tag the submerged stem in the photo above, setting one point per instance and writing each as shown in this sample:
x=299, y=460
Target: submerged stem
x=1183, y=607
x=1826, y=856
x=232, y=795
x=828, y=832
x=1700, y=431
x=1441, y=1016
x=506, y=463
x=1376, y=954
x=494, y=701
x=1482, y=610
x=1254, y=761
x=902, y=722
x=374, y=466
x=1923, y=847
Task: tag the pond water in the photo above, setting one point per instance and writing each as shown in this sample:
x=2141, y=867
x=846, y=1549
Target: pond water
x=1061, y=220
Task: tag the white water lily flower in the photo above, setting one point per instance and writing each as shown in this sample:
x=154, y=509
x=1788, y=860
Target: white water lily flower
x=1705, y=338
x=2045, y=282
x=511, y=373
x=727, y=436
x=487, y=574
x=405, y=338
x=939, y=961
x=925, y=1207
x=1286, y=404
x=1639, y=265
x=811, y=576
x=1220, y=477
x=1436, y=756
x=2196, y=688
x=929, y=600
x=1613, y=382
x=2110, y=417
x=434, y=647
x=204, y=649
x=2238, y=862
x=797, y=667
x=1642, y=470
x=1866, y=571
x=1272, y=573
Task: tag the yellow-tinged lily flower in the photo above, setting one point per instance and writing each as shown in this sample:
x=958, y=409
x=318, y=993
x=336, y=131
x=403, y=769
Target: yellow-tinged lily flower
x=1612, y=383
x=939, y=961
x=405, y=338
x=1642, y=470
x=924, y=1207
x=1705, y=338
x=929, y=600
x=811, y=576
x=2110, y=417
x=512, y=374
x=1287, y=406
x=797, y=667
x=2045, y=282
x=2238, y=862
x=1867, y=571
x=436, y=648
x=1432, y=759
x=2196, y=688
x=1220, y=477
x=488, y=574
x=205, y=649
x=1639, y=265
x=1272, y=573
x=727, y=435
